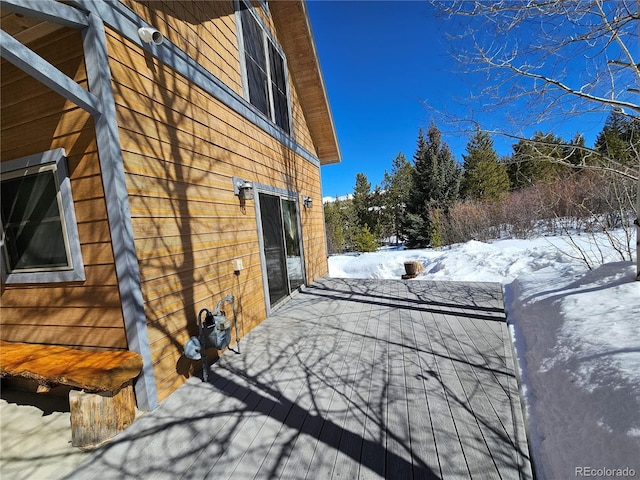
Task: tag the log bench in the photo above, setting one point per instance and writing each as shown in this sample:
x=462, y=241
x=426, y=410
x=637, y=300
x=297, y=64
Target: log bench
x=105, y=403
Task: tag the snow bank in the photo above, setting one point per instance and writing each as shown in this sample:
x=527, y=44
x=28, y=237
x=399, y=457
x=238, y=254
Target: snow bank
x=500, y=261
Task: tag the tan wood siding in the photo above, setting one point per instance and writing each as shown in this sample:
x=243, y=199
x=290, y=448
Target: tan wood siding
x=35, y=119
x=207, y=32
x=181, y=148
x=314, y=238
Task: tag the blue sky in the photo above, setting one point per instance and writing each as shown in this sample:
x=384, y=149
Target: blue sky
x=386, y=64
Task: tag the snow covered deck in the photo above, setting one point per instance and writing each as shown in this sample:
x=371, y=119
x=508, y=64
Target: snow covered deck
x=349, y=379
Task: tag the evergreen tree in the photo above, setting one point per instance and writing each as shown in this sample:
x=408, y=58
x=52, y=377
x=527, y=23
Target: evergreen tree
x=575, y=152
x=619, y=139
x=340, y=224
x=362, y=201
x=436, y=183
x=349, y=221
x=376, y=215
x=334, y=226
x=533, y=160
x=365, y=240
x=397, y=186
x=484, y=177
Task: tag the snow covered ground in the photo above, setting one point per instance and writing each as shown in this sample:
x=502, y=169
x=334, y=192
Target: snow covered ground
x=577, y=337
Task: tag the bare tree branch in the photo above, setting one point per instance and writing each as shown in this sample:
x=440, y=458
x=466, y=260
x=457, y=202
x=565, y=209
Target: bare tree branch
x=546, y=59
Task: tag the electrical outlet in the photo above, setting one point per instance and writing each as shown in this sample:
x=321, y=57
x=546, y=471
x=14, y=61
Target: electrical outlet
x=237, y=264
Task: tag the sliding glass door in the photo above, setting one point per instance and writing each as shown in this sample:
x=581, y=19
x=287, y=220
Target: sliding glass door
x=281, y=245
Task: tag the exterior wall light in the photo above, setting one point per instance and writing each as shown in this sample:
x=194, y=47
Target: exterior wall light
x=243, y=188
x=150, y=35
x=307, y=201
x=246, y=191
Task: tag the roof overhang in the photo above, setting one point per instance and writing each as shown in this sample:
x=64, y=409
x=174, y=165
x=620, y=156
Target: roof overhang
x=23, y=27
x=296, y=38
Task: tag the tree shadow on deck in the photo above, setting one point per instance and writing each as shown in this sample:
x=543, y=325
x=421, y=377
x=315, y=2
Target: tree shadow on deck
x=455, y=298
x=315, y=396
x=179, y=441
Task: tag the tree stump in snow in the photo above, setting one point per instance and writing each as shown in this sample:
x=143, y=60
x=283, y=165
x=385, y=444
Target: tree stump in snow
x=412, y=268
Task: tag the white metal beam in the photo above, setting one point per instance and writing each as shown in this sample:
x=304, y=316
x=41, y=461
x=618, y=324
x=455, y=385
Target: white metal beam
x=36, y=66
x=48, y=11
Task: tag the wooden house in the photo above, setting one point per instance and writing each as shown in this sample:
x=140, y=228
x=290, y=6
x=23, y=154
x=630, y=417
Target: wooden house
x=157, y=156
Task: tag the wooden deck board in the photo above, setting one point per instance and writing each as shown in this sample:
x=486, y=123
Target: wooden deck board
x=337, y=406
x=399, y=457
x=372, y=459
x=347, y=460
x=274, y=464
x=420, y=402
x=348, y=379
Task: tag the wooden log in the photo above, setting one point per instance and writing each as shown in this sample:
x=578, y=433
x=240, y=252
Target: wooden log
x=53, y=365
x=98, y=417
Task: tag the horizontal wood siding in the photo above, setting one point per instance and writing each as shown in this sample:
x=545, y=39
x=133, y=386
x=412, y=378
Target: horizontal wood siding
x=35, y=119
x=314, y=239
x=181, y=149
x=207, y=32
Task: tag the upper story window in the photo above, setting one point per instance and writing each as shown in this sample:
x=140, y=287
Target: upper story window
x=39, y=233
x=265, y=81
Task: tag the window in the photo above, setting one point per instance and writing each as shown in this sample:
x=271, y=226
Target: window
x=39, y=232
x=265, y=68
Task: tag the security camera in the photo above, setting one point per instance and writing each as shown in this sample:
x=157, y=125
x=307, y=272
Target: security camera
x=150, y=35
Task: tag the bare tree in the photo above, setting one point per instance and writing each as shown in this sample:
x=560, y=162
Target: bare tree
x=553, y=61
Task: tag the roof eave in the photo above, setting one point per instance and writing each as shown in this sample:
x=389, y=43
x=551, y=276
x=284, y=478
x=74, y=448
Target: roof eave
x=292, y=23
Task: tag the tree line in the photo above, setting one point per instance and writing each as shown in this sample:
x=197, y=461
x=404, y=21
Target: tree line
x=435, y=200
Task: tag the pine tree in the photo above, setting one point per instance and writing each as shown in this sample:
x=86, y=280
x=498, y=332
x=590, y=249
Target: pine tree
x=362, y=200
x=350, y=225
x=436, y=182
x=484, y=177
x=365, y=240
x=575, y=152
x=528, y=164
x=397, y=187
x=619, y=139
x=376, y=215
x=539, y=159
x=334, y=226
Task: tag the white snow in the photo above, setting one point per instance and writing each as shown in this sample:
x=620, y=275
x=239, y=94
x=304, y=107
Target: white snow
x=576, y=332
x=342, y=198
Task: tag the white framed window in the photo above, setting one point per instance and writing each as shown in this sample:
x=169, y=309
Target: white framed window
x=264, y=68
x=40, y=242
